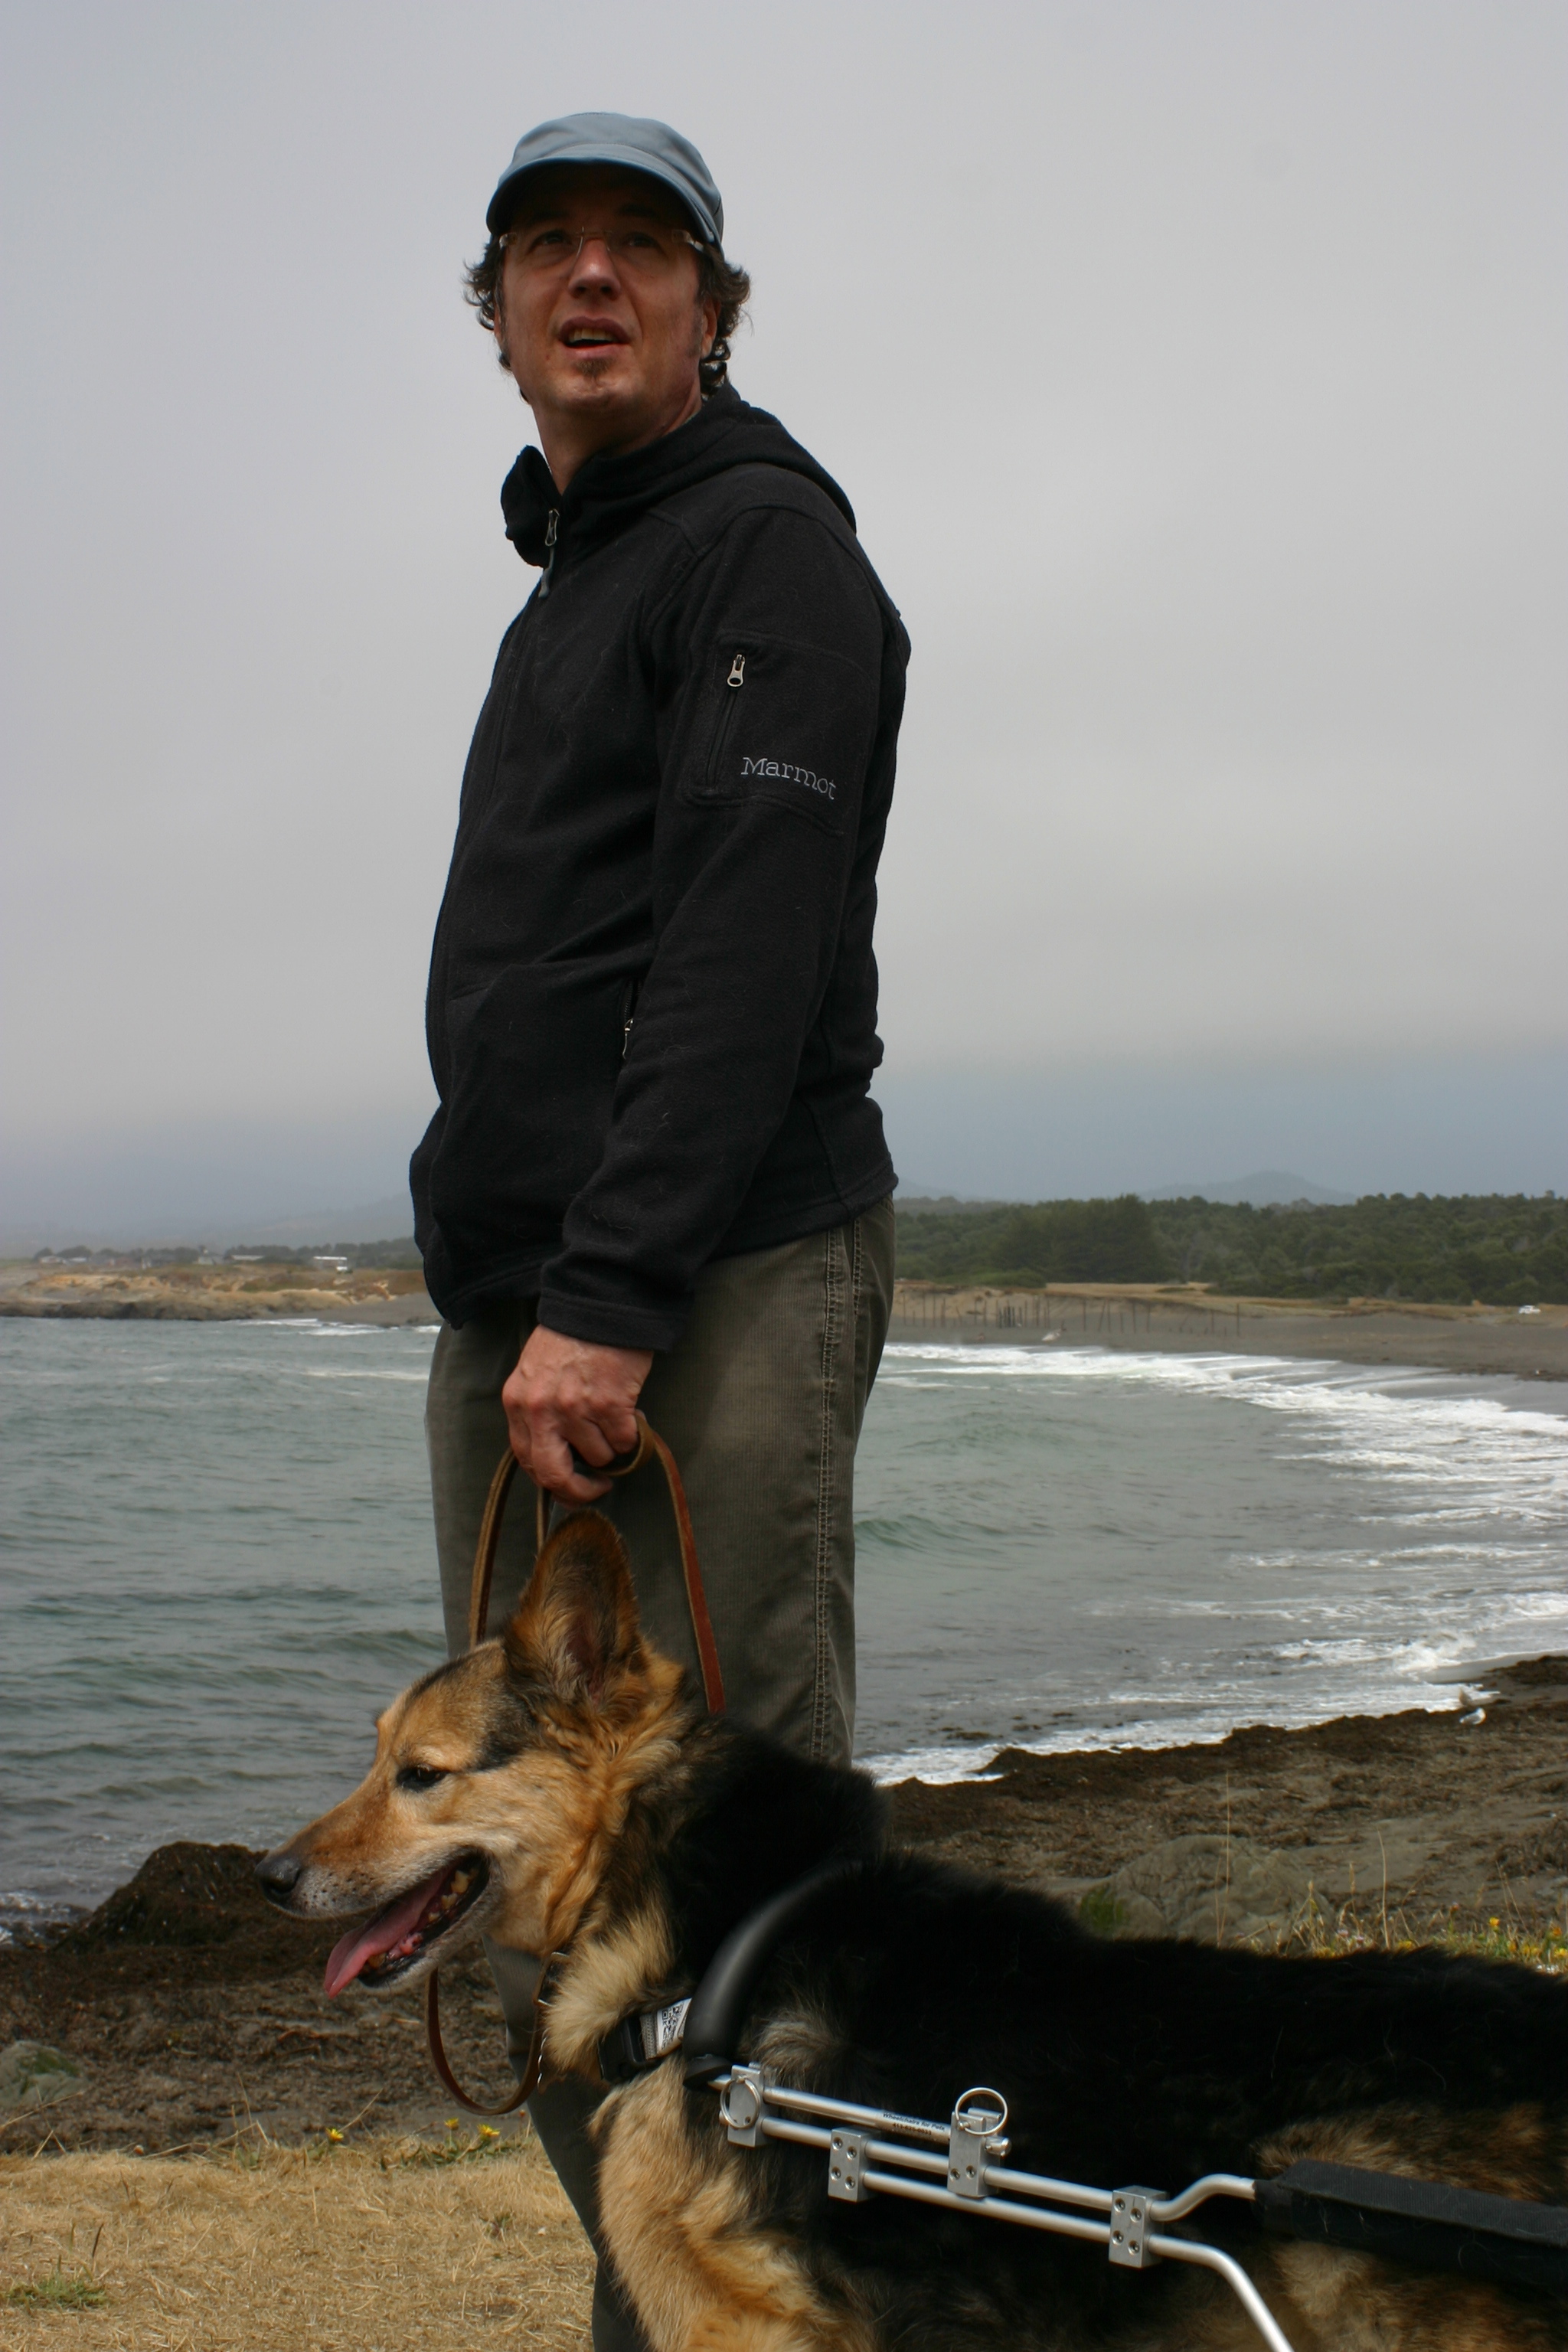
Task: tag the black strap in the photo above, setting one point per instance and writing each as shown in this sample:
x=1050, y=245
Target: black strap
x=1424, y=2222
x=718, y=2010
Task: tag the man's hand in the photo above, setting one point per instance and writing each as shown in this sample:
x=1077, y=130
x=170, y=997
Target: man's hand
x=567, y=1395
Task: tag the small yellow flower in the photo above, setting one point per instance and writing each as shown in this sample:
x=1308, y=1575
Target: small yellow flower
x=334, y=2132
x=1491, y=1923
x=489, y=2131
x=452, y=2120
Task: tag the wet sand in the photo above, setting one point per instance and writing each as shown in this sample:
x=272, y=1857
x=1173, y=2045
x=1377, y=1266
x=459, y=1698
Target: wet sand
x=193, y=2010
x=1125, y=1316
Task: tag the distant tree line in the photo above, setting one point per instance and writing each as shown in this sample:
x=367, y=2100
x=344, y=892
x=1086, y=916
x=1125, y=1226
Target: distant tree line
x=1508, y=1250
x=395, y=1255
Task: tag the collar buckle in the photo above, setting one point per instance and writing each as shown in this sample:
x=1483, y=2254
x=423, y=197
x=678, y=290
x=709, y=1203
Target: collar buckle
x=643, y=2040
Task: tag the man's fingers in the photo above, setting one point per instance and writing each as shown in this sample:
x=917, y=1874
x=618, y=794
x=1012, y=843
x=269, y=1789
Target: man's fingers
x=587, y=1439
x=620, y=1423
x=527, y=1429
x=543, y=1451
x=565, y=1399
x=553, y=1468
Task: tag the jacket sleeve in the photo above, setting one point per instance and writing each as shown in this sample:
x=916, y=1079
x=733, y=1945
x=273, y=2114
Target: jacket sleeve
x=770, y=662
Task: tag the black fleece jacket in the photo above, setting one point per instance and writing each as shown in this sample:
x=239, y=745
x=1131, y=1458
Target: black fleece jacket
x=652, y=1006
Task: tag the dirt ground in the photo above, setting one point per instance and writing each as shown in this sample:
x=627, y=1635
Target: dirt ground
x=195, y=2014
x=1424, y=1825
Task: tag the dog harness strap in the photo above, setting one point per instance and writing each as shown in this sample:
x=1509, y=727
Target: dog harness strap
x=716, y=2011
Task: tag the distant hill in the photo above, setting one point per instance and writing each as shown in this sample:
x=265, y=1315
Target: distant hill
x=368, y=1223
x=1271, y=1188
x=917, y=1200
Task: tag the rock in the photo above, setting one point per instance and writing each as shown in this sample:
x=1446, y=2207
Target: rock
x=184, y=1894
x=195, y=1912
x=1208, y=1887
x=33, y=2076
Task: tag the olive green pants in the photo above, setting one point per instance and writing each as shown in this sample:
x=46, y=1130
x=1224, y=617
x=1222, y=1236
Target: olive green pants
x=760, y=1401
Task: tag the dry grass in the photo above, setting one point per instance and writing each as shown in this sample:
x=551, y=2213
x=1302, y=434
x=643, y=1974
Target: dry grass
x=377, y=2248
x=1360, y=1927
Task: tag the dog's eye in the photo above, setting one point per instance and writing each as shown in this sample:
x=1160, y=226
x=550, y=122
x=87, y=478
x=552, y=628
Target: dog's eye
x=419, y=1776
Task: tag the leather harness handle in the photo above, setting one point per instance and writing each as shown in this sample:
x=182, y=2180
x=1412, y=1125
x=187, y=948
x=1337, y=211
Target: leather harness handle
x=649, y=1444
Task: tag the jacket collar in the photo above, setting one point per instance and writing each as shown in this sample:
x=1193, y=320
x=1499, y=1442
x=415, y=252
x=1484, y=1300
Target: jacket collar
x=609, y=491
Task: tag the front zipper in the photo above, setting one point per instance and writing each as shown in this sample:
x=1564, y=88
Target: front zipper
x=551, y=523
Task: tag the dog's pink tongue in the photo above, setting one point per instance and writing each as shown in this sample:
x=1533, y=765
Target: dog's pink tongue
x=379, y=1935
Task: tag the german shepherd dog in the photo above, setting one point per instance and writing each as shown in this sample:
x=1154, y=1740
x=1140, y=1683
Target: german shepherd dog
x=562, y=1789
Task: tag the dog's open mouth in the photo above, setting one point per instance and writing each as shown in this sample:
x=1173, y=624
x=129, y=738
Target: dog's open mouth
x=387, y=1946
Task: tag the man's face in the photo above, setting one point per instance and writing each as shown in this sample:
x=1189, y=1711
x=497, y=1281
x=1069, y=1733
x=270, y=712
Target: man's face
x=603, y=332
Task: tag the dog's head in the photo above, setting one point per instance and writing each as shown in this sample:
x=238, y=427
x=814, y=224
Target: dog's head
x=500, y=1781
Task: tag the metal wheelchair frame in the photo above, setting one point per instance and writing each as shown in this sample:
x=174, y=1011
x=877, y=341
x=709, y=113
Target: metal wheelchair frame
x=870, y=2154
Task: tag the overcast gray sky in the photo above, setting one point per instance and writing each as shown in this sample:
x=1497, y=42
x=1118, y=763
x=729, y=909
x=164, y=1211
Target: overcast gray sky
x=1196, y=368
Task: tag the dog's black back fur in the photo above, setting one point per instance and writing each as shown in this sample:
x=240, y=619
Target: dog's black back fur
x=1139, y=2061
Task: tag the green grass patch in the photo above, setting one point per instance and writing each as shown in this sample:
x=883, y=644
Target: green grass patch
x=62, y=2290
x=1100, y=1912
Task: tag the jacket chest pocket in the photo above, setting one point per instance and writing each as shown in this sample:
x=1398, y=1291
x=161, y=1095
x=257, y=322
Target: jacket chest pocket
x=784, y=722
x=726, y=687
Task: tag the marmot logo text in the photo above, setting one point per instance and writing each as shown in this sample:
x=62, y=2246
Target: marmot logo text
x=806, y=776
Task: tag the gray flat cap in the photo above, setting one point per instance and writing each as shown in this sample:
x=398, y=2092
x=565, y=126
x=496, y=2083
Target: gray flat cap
x=632, y=140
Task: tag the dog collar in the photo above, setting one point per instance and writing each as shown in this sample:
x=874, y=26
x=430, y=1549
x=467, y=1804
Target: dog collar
x=642, y=2041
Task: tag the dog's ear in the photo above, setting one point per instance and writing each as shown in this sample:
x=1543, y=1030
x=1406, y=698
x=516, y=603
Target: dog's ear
x=576, y=1626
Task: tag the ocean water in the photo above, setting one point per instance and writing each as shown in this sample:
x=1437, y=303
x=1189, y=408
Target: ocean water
x=216, y=1565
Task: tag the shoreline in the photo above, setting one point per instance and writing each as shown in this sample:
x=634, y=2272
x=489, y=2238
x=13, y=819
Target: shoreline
x=1123, y=1317
x=1131, y=1317
x=191, y=2008
x=390, y=1296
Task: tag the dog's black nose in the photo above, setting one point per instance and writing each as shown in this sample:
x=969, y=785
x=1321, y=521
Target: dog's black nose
x=279, y=1875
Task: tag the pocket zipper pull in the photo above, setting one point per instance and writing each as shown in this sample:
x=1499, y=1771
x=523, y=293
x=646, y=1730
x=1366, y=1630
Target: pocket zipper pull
x=737, y=671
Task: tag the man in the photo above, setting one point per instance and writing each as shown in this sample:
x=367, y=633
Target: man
x=656, y=1173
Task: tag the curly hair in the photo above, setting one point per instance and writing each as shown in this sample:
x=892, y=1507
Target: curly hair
x=722, y=283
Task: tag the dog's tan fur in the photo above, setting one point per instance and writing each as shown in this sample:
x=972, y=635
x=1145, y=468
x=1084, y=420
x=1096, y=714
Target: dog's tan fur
x=547, y=1821
x=684, y=2241
x=606, y=1718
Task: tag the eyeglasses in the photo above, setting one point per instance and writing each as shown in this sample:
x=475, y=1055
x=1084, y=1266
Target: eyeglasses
x=642, y=248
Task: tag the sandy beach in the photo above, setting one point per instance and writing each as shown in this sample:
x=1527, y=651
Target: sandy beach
x=1189, y=1320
